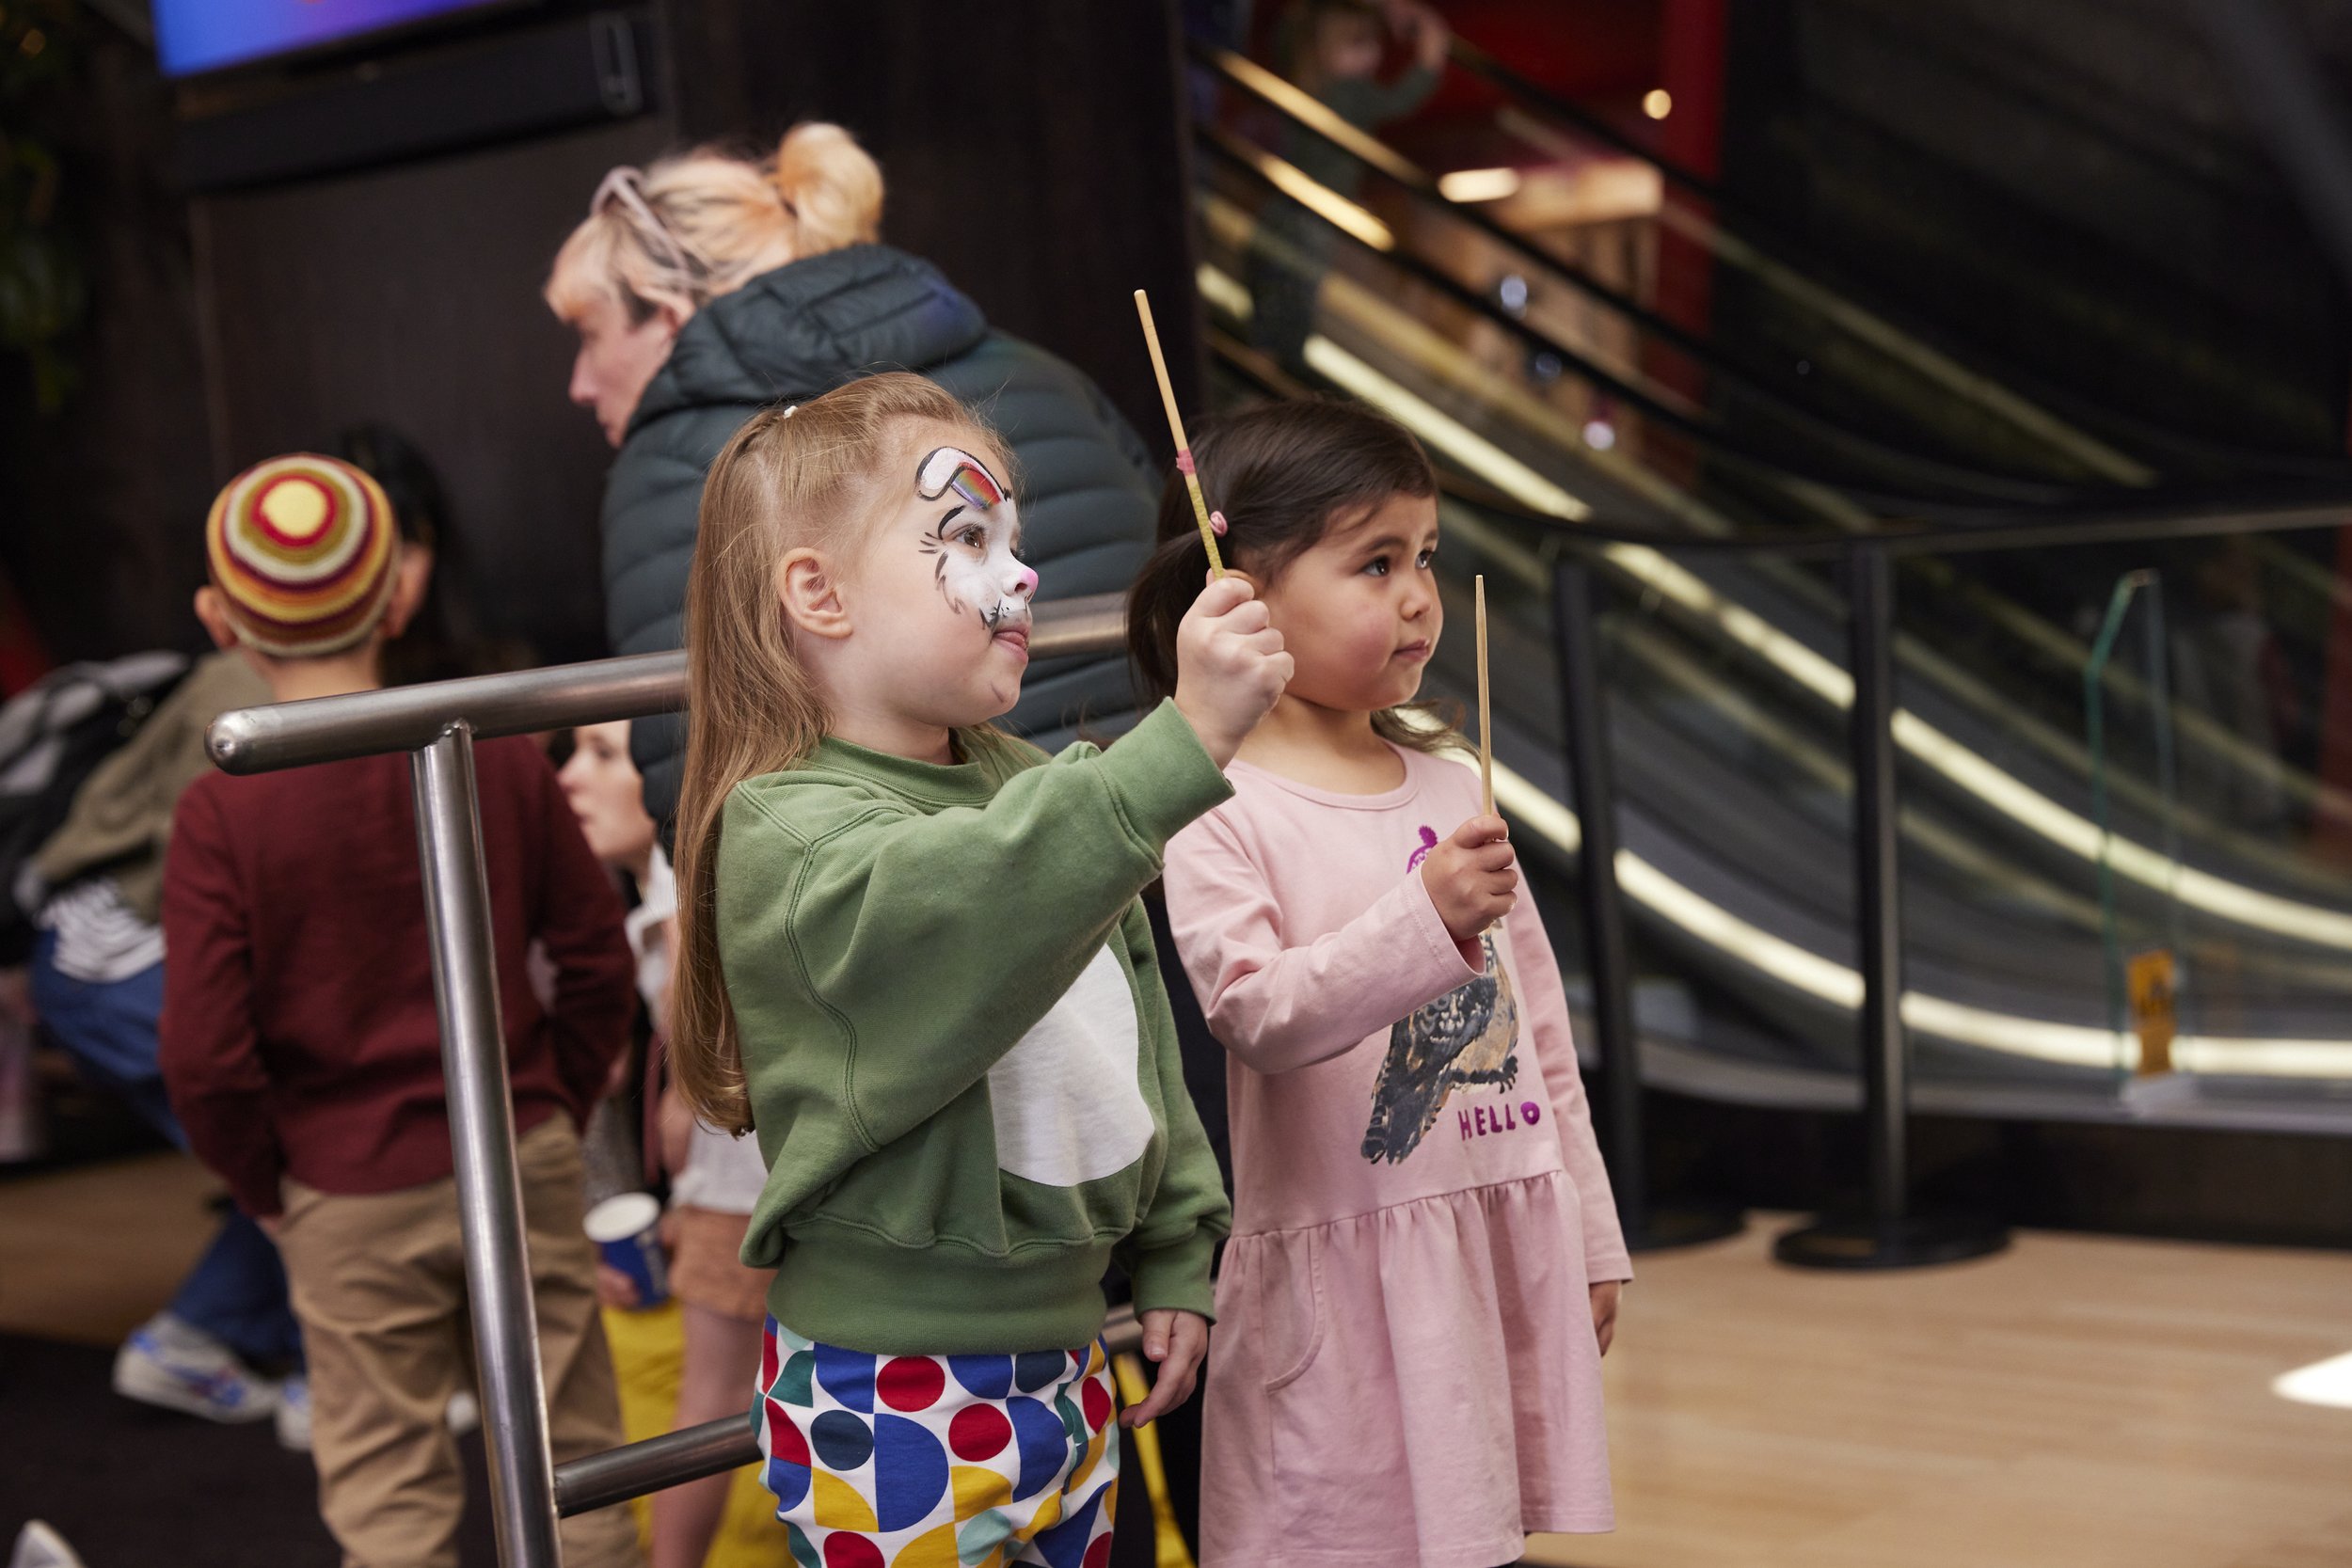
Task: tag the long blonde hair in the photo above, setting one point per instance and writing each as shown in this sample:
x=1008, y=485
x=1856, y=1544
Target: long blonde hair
x=812, y=477
x=702, y=223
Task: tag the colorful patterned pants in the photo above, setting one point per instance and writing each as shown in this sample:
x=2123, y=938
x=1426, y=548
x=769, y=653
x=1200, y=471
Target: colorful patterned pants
x=939, y=1461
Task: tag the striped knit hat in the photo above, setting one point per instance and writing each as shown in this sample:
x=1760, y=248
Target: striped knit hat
x=302, y=547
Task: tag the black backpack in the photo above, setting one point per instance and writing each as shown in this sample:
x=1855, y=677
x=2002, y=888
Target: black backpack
x=53, y=735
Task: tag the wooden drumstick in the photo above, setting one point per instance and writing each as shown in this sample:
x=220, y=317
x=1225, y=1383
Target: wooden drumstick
x=1176, y=430
x=1485, y=722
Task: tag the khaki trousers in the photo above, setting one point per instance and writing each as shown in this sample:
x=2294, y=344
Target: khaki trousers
x=378, y=1282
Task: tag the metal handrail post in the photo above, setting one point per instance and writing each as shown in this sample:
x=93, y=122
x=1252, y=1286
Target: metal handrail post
x=1887, y=1234
x=1878, y=885
x=1584, y=727
x=482, y=1135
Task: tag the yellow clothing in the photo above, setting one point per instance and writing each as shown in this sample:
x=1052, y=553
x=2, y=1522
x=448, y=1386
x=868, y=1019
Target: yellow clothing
x=647, y=1349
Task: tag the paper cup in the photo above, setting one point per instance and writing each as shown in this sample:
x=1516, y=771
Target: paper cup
x=626, y=1231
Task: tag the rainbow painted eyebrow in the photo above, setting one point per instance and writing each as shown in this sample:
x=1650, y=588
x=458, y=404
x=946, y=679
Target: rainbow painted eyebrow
x=946, y=468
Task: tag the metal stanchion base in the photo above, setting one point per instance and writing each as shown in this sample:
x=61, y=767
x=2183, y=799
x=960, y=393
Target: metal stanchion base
x=1684, y=1224
x=1913, y=1242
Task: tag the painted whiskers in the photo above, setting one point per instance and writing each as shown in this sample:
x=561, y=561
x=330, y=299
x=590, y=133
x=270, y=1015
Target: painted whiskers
x=973, y=546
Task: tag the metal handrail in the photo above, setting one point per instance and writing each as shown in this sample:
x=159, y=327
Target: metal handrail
x=409, y=717
x=1971, y=484
x=1757, y=230
x=437, y=725
x=2133, y=518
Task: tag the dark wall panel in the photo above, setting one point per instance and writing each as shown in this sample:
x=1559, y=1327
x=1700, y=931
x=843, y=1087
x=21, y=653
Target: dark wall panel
x=102, y=501
x=411, y=296
x=1035, y=151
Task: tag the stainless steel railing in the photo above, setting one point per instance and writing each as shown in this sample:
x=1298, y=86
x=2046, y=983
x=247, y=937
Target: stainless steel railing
x=437, y=725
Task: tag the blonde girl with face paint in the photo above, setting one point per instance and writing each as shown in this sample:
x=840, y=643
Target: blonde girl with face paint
x=914, y=964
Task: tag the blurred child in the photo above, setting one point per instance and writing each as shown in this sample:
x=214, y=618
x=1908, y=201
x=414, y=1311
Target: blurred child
x=301, y=1046
x=912, y=956
x=98, y=977
x=1425, y=1259
x=221, y=1346
x=1333, y=49
x=715, y=1179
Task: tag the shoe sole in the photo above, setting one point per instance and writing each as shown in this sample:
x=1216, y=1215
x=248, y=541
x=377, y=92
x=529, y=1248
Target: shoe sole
x=40, y=1546
x=136, y=1379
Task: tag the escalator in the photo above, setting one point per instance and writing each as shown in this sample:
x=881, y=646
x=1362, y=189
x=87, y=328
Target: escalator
x=1556, y=399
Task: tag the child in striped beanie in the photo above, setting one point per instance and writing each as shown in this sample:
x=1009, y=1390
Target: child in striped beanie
x=304, y=558
x=301, y=1048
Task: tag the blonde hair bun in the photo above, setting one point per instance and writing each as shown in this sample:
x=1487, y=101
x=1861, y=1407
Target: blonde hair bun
x=833, y=186
x=699, y=224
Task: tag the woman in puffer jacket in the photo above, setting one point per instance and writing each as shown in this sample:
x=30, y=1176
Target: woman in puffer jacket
x=707, y=286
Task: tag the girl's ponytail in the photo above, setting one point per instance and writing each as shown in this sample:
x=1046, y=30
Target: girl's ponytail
x=1163, y=592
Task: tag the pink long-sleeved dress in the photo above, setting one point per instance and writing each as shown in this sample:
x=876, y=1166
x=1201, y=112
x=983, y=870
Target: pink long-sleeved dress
x=1403, y=1369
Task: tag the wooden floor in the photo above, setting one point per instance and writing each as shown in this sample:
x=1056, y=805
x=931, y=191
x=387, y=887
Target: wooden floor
x=86, y=1256
x=2077, y=1401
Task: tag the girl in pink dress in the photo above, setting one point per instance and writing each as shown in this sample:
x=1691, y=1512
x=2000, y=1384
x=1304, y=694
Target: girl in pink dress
x=1425, y=1261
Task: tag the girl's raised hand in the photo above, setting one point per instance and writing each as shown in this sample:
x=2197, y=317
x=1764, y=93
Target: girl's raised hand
x=1229, y=665
x=1471, y=877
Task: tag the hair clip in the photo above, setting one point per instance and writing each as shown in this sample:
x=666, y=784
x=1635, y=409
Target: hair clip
x=625, y=186
x=794, y=409
x=1216, y=522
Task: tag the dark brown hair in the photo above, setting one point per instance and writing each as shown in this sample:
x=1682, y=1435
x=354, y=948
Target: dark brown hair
x=1284, y=474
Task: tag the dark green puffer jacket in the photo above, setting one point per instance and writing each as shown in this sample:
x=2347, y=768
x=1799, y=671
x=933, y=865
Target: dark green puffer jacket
x=1086, y=485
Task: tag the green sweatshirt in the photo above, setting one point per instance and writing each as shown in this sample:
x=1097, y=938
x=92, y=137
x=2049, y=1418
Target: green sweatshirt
x=960, y=1058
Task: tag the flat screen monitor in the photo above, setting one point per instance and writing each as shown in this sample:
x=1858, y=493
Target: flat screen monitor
x=194, y=36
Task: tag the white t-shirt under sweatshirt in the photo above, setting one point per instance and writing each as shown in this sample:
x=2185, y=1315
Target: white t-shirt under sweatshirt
x=723, y=1174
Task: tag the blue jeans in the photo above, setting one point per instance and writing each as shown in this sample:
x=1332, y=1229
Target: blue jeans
x=237, y=1290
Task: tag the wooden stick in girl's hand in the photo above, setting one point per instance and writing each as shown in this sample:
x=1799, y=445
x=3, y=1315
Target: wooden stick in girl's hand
x=1176, y=432
x=1485, y=722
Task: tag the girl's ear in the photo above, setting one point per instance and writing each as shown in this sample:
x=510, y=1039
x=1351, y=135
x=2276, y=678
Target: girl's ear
x=809, y=590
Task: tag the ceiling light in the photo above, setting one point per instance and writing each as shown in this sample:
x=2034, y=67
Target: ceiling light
x=1478, y=184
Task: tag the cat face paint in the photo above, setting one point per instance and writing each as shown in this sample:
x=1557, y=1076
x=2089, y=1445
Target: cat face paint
x=973, y=540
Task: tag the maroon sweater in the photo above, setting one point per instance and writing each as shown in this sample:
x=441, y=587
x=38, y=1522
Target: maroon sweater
x=299, y=1035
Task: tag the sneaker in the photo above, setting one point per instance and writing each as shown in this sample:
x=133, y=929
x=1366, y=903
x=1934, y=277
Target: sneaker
x=169, y=1364
x=294, y=1414
x=40, y=1546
